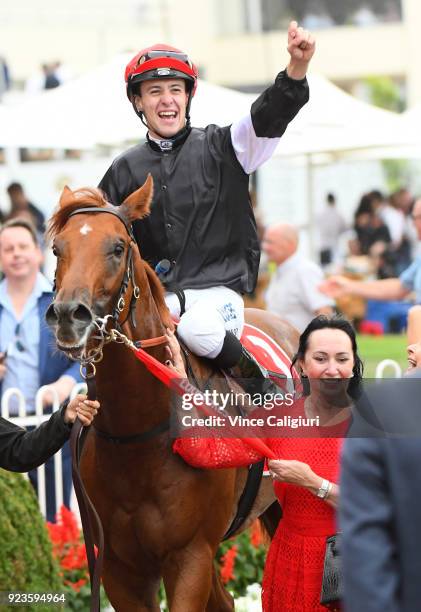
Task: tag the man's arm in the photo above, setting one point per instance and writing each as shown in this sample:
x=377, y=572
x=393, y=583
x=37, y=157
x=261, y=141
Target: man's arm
x=385, y=289
x=301, y=46
x=21, y=451
x=369, y=552
x=256, y=136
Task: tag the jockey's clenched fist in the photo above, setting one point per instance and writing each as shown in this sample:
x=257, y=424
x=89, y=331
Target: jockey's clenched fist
x=301, y=46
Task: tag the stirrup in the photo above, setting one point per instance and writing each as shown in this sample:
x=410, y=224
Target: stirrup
x=254, y=377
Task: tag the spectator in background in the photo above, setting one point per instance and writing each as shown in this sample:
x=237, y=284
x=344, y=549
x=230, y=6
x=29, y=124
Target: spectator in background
x=405, y=202
x=20, y=206
x=49, y=76
x=364, y=16
x=370, y=229
x=414, y=337
x=4, y=77
x=292, y=292
x=29, y=358
x=316, y=16
x=387, y=289
x=331, y=225
x=390, y=215
x=51, y=79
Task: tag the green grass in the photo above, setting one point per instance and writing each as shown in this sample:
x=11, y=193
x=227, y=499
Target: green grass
x=373, y=349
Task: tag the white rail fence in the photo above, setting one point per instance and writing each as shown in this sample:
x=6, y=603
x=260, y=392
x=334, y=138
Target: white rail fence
x=388, y=364
x=33, y=420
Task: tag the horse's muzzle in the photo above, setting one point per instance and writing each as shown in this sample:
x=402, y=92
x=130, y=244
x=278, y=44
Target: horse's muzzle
x=69, y=320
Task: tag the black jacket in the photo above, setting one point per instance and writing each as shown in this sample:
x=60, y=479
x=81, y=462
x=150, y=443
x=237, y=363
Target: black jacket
x=201, y=217
x=21, y=451
x=380, y=510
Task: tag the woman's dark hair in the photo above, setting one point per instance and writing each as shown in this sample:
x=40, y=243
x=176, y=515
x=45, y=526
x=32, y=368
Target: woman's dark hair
x=335, y=322
x=364, y=207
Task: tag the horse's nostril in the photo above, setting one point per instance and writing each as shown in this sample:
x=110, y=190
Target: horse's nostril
x=82, y=314
x=51, y=315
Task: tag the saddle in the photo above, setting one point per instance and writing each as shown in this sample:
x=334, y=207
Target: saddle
x=276, y=366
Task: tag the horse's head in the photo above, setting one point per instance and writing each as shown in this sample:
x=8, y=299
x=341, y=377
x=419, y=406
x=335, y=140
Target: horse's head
x=93, y=244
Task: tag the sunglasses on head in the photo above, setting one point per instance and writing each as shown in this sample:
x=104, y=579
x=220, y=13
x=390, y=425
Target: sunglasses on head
x=151, y=55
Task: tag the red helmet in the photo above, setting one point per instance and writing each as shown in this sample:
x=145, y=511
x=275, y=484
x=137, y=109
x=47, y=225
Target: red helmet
x=160, y=62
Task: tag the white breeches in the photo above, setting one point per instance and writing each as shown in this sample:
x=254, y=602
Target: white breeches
x=209, y=314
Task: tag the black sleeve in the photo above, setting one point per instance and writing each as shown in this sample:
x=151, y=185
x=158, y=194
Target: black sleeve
x=278, y=105
x=21, y=451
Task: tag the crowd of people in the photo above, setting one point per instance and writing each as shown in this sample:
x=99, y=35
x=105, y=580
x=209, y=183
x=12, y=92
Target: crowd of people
x=207, y=237
x=380, y=240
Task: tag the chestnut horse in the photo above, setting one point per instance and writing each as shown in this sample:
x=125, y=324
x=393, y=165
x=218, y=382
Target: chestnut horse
x=161, y=517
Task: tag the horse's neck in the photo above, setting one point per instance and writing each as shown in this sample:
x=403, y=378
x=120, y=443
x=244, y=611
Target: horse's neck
x=133, y=398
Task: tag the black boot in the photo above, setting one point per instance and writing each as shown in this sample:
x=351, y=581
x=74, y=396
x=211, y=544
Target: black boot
x=253, y=377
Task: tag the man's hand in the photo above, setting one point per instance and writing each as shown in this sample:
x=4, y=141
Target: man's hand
x=301, y=46
x=82, y=408
x=336, y=286
x=63, y=386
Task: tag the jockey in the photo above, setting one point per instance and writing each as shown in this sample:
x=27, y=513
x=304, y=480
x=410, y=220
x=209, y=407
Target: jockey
x=201, y=234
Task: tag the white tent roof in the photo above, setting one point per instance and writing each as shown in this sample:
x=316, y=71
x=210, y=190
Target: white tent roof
x=334, y=121
x=94, y=109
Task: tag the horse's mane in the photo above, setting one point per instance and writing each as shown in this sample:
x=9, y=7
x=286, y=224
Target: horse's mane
x=80, y=198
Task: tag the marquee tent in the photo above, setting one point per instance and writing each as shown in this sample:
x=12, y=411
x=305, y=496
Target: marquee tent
x=94, y=110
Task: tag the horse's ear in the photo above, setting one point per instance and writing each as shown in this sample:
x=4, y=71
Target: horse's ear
x=138, y=203
x=66, y=196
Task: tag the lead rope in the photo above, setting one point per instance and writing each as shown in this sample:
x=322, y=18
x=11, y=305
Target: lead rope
x=91, y=523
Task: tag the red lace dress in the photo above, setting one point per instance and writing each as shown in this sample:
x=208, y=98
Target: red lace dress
x=294, y=565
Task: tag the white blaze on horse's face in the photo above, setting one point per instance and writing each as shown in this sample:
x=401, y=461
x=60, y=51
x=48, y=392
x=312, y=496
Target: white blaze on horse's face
x=85, y=229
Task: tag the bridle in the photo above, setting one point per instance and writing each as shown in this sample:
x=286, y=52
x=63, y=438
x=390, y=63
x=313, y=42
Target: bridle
x=114, y=334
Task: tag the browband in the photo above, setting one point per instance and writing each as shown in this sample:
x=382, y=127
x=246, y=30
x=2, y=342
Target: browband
x=111, y=211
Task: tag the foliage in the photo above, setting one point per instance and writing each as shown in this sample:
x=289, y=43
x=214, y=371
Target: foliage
x=241, y=560
x=26, y=561
x=69, y=550
x=397, y=173
x=385, y=93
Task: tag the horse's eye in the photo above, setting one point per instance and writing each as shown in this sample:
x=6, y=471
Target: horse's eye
x=118, y=250
x=55, y=251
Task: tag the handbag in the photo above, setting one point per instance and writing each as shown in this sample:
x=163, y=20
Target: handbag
x=331, y=593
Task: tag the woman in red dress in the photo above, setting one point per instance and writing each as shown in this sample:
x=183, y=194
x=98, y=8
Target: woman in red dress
x=306, y=473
